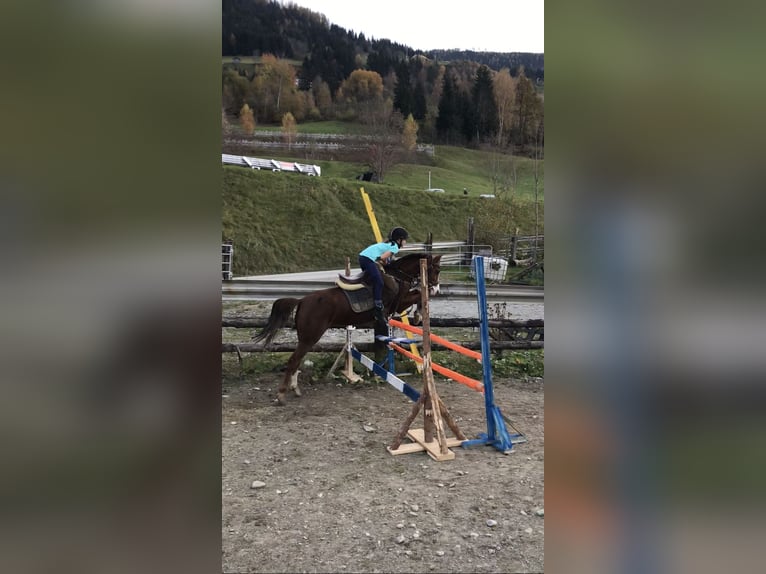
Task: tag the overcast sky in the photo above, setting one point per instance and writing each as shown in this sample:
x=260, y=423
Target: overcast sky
x=482, y=25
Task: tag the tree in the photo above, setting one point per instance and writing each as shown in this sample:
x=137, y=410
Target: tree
x=484, y=105
x=236, y=91
x=505, y=99
x=225, y=124
x=448, y=120
x=246, y=120
x=385, y=128
x=403, y=96
x=419, y=105
x=322, y=97
x=274, y=88
x=528, y=110
x=289, y=129
x=410, y=134
x=362, y=86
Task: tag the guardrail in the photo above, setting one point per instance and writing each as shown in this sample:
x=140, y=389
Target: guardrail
x=248, y=290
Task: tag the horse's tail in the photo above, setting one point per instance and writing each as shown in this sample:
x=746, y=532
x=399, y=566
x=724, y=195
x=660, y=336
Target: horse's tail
x=280, y=315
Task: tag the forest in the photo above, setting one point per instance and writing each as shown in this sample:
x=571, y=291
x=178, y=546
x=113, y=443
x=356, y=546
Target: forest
x=281, y=59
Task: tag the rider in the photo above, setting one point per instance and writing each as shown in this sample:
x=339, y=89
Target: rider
x=383, y=251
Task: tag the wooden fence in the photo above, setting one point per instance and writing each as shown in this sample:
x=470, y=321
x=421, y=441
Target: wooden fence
x=508, y=334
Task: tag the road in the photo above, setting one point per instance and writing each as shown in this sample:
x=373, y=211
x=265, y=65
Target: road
x=440, y=306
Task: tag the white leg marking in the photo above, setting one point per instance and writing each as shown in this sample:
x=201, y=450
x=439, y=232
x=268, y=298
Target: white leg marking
x=294, y=383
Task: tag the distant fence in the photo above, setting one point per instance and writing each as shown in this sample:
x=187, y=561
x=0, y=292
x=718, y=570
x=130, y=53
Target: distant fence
x=227, y=255
x=523, y=247
x=332, y=142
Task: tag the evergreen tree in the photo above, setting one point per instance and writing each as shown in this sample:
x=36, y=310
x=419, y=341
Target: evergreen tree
x=484, y=106
x=419, y=105
x=447, y=123
x=403, y=98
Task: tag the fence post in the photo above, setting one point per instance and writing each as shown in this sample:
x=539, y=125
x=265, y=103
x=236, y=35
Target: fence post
x=469, y=243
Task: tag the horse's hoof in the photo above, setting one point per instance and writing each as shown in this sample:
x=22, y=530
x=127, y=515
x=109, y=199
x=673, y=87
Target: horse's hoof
x=280, y=401
x=297, y=392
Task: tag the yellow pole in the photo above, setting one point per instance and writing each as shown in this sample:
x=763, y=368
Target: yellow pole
x=379, y=238
x=371, y=215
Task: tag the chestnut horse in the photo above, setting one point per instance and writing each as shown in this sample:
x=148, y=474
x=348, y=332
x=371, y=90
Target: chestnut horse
x=321, y=310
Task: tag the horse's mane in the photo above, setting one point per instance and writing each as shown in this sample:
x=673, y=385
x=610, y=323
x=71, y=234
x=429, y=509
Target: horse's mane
x=409, y=257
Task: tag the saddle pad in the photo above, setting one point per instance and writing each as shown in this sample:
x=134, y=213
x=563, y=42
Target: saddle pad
x=360, y=300
x=389, y=283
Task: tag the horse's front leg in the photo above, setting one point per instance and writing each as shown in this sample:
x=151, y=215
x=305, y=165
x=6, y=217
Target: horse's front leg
x=294, y=383
x=417, y=318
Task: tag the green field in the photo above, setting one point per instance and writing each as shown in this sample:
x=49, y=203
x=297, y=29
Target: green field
x=452, y=169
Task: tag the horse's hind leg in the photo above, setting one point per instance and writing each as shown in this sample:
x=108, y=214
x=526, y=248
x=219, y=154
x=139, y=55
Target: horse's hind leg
x=291, y=373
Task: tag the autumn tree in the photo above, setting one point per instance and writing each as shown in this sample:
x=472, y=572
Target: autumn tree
x=360, y=91
x=236, y=91
x=410, y=134
x=322, y=97
x=505, y=100
x=225, y=124
x=289, y=129
x=528, y=110
x=246, y=120
x=384, y=126
x=435, y=78
x=274, y=89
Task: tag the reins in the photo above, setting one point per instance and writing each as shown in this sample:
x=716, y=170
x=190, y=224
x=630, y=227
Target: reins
x=412, y=279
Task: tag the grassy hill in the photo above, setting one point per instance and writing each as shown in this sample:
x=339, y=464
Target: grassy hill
x=283, y=222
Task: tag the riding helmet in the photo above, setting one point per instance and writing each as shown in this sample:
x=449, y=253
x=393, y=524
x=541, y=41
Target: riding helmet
x=397, y=234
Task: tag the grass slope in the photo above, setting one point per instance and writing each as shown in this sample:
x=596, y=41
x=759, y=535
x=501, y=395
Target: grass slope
x=283, y=222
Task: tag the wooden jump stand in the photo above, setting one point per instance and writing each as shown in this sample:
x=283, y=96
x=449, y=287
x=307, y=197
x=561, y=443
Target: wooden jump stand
x=438, y=446
x=497, y=434
x=435, y=412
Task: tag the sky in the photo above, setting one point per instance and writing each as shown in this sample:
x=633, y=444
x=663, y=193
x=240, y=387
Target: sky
x=481, y=25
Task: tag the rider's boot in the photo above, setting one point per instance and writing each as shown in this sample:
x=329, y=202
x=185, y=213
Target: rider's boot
x=379, y=316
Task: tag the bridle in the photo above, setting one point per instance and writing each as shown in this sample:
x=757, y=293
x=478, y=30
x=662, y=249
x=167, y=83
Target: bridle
x=413, y=280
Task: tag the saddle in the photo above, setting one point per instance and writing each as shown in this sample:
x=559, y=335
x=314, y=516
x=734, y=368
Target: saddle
x=358, y=290
x=361, y=280
x=352, y=282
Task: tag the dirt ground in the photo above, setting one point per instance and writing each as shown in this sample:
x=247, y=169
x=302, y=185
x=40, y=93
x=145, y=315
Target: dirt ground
x=334, y=500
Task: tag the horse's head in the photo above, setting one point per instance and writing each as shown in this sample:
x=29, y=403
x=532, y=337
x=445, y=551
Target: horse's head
x=407, y=268
x=434, y=270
